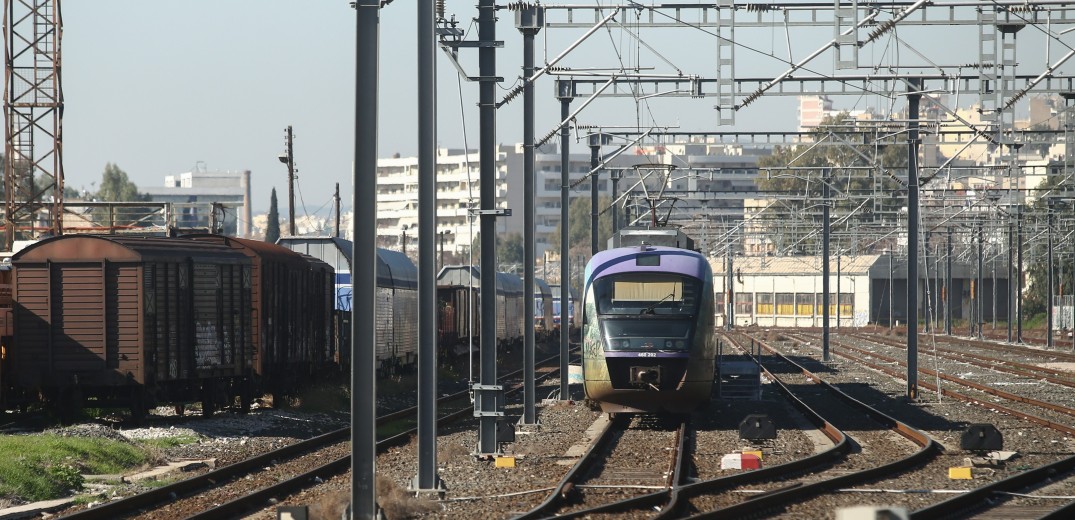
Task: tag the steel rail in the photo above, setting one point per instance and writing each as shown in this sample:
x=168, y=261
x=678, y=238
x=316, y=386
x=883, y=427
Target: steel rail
x=981, y=497
x=971, y=384
x=673, y=499
x=993, y=343
x=1051, y=375
x=258, y=498
x=929, y=450
x=951, y=393
x=162, y=494
x=560, y=494
x=1063, y=513
x=649, y=500
x=182, y=488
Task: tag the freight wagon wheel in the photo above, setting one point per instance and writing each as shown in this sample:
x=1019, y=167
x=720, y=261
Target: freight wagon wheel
x=281, y=399
x=180, y=409
x=69, y=405
x=246, y=395
x=138, y=405
x=208, y=398
x=208, y=407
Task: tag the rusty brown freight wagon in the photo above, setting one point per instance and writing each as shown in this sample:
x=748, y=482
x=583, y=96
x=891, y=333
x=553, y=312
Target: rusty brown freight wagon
x=130, y=321
x=293, y=298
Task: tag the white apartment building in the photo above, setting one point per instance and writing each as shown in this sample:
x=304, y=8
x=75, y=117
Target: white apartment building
x=547, y=184
x=458, y=187
x=701, y=168
x=397, y=186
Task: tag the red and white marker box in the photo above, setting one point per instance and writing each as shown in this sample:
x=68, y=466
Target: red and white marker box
x=740, y=461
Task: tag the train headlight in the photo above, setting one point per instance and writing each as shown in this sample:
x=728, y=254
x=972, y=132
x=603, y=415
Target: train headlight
x=680, y=344
x=667, y=343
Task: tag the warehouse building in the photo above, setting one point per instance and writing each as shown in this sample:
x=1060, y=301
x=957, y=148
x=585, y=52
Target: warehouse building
x=788, y=291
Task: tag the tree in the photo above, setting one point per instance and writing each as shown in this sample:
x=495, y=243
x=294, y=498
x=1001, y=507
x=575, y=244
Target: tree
x=116, y=187
x=272, y=230
x=1036, y=299
x=509, y=249
x=864, y=197
x=578, y=225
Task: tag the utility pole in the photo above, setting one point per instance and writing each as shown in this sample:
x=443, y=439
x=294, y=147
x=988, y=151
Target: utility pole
x=427, y=479
x=528, y=20
x=826, y=298
x=1019, y=273
x=487, y=403
x=1011, y=291
x=978, y=318
x=913, y=99
x=615, y=176
x=839, y=274
x=596, y=141
x=288, y=158
x=729, y=309
x=1052, y=277
x=336, y=202
x=948, y=286
x=364, y=265
x=440, y=258
x=565, y=92
x=891, y=289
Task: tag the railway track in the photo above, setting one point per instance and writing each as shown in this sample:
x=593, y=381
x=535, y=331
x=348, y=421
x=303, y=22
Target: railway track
x=1009, y=364
x=876, y=445
x=1052, y=421
x=620, y=462
x=1039, y=487
x=720, y=495
x=240, y=487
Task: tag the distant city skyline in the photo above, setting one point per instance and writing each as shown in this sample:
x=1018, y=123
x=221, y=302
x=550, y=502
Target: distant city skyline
x=158, y=88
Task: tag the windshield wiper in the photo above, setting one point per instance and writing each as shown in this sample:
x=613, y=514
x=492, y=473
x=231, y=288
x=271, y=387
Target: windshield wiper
x=652, y=309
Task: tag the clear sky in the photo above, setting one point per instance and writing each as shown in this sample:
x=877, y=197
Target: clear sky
x=159, y=87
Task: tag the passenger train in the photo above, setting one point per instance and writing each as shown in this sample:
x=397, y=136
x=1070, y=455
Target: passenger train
x=647, y=330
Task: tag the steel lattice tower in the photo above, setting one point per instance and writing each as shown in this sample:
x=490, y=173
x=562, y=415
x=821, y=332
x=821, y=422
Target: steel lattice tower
x=33, y=108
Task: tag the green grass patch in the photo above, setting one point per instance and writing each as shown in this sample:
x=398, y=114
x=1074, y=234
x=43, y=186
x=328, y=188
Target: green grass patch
x=1037, y=321
x=44, y=467
x=164, y=443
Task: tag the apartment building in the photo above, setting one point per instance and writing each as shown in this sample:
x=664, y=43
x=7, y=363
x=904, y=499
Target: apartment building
x=698, y=168
x=458, y=189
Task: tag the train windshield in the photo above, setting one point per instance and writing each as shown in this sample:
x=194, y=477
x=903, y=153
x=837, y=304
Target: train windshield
x=647, y=294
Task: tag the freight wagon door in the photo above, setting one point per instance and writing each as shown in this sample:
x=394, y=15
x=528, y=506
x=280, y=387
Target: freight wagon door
x=123, y=324
x=77, y=339
x=208, y=340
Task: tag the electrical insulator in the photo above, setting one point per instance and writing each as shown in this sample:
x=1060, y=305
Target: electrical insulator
x=440, y=9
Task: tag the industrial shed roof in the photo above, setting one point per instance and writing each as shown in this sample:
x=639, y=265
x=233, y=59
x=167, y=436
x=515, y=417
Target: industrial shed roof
x=465, y=275
x=795, y=265
x=394, y=269
x=875, y=266
x=542, y=288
